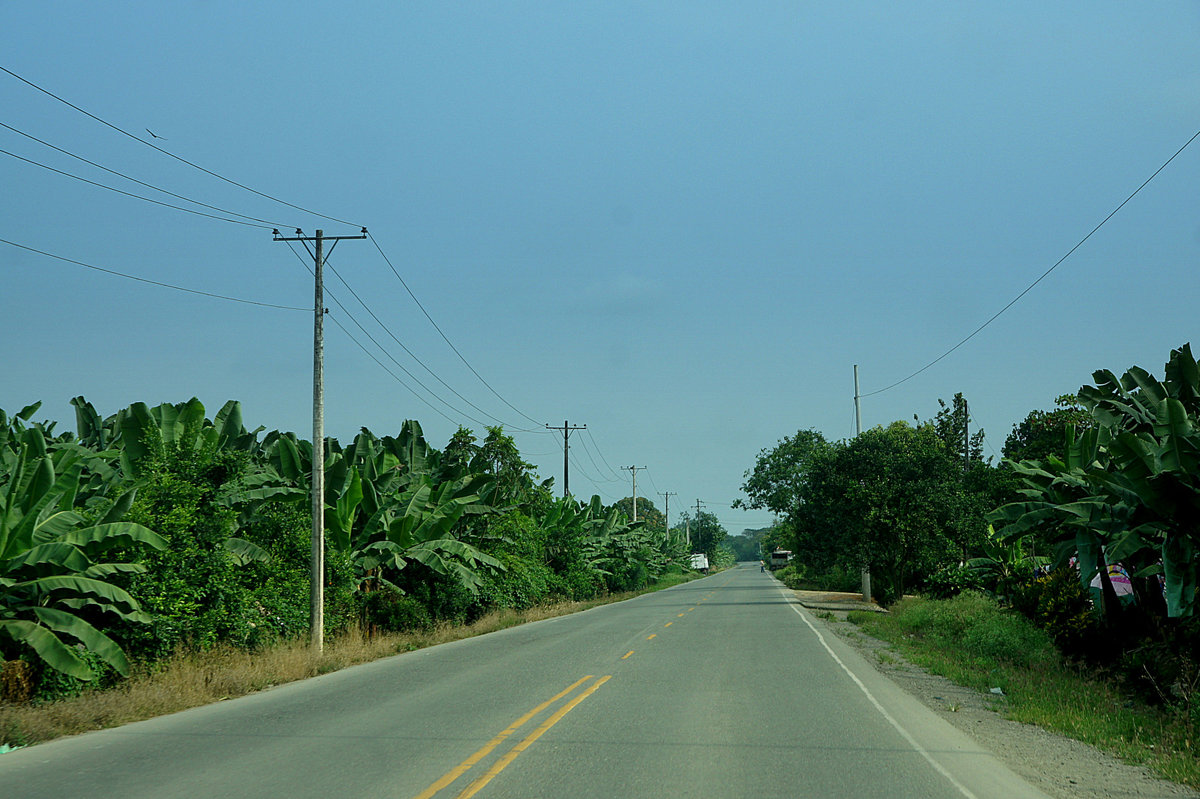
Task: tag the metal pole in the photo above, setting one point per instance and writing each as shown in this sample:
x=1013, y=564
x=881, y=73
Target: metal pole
x=316, y=617
x=566, y=464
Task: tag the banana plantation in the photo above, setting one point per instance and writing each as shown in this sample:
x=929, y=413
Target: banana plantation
x=159, y=528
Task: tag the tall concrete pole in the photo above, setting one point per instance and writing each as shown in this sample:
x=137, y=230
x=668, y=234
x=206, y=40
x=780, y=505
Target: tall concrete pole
x=866, y=570
x=316, y=613
x=634, y=470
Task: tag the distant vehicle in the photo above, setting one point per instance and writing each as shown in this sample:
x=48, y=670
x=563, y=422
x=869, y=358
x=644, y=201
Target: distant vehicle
x=779, y=559
x=700, y=562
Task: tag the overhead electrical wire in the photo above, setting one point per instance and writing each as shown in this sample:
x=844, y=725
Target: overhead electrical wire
x=599, y=452
x=135, y=196
x=153, y=282
x=140, y=182
x=168, y=153
x=583, y=443
x=1043, y=275
x=383, y=349
x=413, y=355
x=461, y=357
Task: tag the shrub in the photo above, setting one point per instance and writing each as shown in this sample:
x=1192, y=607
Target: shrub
x=520, y=586
x=950, y=581
x=1059, y=605
x=975, y=624
x=390, y=611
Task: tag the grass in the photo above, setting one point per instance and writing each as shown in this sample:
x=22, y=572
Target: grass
x=973, y=642
x=190, y=679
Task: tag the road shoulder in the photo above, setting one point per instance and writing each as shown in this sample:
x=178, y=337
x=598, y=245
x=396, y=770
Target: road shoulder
x=1059, y=766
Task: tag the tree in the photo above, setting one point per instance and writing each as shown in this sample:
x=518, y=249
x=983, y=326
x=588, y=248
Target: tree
x=883, y=499
x=649, y=515
x=1044, y=433
x=705, y=530
x=779, y=480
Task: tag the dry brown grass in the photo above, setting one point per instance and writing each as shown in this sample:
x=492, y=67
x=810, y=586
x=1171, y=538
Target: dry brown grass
x=191, y=679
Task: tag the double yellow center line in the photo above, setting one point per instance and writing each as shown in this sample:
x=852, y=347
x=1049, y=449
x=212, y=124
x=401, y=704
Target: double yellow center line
x=511, y=755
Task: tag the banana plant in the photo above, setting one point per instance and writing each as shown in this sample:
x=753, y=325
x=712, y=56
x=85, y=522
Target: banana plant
x=50, y=570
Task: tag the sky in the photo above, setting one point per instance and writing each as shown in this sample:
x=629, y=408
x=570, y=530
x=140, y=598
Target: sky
x=680, y=224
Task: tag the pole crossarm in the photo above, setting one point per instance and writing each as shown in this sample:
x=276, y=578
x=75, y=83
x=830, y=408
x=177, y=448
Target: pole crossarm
x=566, y=431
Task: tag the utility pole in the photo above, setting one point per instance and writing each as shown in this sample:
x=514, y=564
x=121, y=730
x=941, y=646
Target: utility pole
x=633, y=470
x=566, y=431
x=966, y=437
x=316, y=614
x=666, y=495
x=866, y=570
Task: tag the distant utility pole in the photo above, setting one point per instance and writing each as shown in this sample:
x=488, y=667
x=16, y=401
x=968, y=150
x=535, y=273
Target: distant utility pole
x=866, y=570
x=633, y=470
x=316, y=614
x=666, y=495
x=566, y=431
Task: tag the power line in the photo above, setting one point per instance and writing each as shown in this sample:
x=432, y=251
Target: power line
x=152, y=282
x=588, y=452
x=383, y=349
x=461, y=357
x=413, y=355
x=135, y=180
x=170, y=154
x=1044, y=274
x=601, y=453
x=131, y=194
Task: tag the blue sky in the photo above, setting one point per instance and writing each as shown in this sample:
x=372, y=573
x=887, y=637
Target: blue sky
x=678, y=223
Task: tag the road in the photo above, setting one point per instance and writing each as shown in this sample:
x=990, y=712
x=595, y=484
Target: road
x=722, y=687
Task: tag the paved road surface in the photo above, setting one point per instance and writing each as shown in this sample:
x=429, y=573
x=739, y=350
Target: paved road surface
x=722, y=687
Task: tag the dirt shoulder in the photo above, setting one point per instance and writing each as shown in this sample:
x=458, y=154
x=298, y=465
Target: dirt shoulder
x=1059, y=766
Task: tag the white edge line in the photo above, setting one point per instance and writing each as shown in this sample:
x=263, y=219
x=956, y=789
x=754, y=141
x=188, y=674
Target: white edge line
x=882, y=710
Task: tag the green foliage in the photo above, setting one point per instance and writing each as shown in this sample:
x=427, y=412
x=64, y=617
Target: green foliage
x=1060, y=606
x=192, y=589
x=978, y=627
x=792, y=575
x=521, y=585
x=1129, y=488
x=388, y=610
x=950, y=581
x=1044, y=433
x=54, y=590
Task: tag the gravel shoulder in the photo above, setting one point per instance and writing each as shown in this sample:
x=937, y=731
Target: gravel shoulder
x=1059, y=766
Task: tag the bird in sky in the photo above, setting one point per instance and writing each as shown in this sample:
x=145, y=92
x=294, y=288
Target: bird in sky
x=155, y=135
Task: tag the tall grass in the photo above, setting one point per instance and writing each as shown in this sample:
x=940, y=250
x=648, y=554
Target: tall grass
x=971, y=640
x=190, y=679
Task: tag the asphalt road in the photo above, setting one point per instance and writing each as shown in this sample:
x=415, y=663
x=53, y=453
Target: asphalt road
x=722, y=687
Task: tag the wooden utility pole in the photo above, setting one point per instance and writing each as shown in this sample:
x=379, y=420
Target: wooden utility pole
x=666, y=495
x=316, y=613
x=566, y=430
x=634, y=470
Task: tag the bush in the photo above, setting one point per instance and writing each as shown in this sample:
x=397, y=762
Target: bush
x=975, y=624
x=628, y=577
x=390, y=611
x=1061, y=606
x=578, y=582
x=950, y=581
x=520, y=586
x=791, y=575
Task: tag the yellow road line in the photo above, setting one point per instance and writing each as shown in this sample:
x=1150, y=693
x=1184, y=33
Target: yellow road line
x=690, y=610
x=668, y=624
x=627, y=654
x=512, y=754
x=651, y=636
x=462, y=767
x=679, y=615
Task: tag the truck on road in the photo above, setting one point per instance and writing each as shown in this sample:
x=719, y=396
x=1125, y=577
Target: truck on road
x=779, y=559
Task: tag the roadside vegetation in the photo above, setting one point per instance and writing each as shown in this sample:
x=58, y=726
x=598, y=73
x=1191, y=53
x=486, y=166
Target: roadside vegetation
x=973, y=641
x=1086, y=533
x=158, y=537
